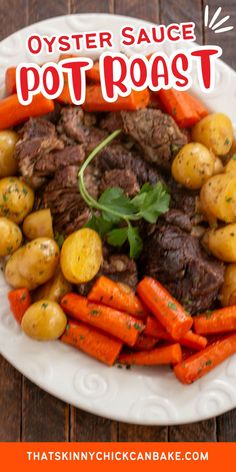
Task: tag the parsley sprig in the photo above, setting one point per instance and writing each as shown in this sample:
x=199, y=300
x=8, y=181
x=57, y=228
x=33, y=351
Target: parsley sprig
x=116, y=209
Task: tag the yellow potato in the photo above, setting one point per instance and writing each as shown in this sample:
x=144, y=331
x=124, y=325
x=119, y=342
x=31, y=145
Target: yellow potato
x=44, y=321
x=8, y=164
x=81, y=256
x=228, y=290
x=10, y=237
x=12, y=272
x=33, y=264
x=54, y=289
x=231, y=166
x=38, y=224
x=193, y=165
x=16, y=199
x=215, y=131
x=222, y=242
x=218, y=197
x=218, y=166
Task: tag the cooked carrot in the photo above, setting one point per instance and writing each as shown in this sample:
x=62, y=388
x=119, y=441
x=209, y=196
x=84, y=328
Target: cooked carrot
x=65, y=97
x=197, y=105
x=117, y=323
x=218, y=321
x=94, y=100
x=145, y=343
x=192, y=340
x=13, y=113
x=161, y=355
x=202, y=362
x=166, y=309
x=155, y=328
x=181, y=106
x=19, y=301
x=92, y=341
x=10, y=80
x=93, y=74
x=116, y=295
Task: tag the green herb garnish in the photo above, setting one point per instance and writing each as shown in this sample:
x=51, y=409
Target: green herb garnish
x=59, y=238
x=115, y=208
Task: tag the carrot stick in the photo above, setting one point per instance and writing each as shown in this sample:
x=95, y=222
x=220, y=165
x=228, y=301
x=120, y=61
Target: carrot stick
x=155, y=328
x=19, y=301
x=202, y=362
x=218, y=321
x=10, y=80
x=94, y=100
x=92, y=342
x=144, y=343
x=117, y=323
x=193, y=341
x=162, y=355
x=116, y=295
x=197, y=105
x=190, y=339
x=93, y=74
x=167, y=310
x=182, y=108
x=13, y=113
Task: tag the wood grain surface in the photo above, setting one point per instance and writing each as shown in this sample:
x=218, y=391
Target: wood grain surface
x=27, y=412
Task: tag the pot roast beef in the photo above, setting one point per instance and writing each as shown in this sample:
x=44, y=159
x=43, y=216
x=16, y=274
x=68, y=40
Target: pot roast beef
x=156, y=133
x=176, y=259
x=38, y=137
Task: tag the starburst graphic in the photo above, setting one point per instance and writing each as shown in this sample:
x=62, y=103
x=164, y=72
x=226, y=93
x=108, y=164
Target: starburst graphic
x=212, y=23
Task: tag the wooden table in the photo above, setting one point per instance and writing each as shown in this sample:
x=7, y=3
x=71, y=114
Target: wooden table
x=27, y=412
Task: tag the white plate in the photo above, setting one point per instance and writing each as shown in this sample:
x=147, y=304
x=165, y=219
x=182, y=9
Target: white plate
x=139, y=395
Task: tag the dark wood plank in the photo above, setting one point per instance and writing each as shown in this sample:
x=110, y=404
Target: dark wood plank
x=138, y=8
x=226, y=427
x=87, y=427
x=175, y=11
x=44, y=418
x=204, y=431
x=91, y=6
x=12, y=16
x=225, y=40
x=10, y=402
x=137, y=433
x=39, y=10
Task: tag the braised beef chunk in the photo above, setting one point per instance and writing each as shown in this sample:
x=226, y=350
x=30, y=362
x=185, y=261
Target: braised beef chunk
x=178, y=218
x=112, y=121
x=117, y=156
x=49, y=163
x=76, y=126
x=176, y=259
x=38, y=137
x=156, y=133
x=61, y=195
x=125, y=179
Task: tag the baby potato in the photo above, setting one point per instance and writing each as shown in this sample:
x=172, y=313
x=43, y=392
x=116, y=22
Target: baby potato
x=218, y=197
x=33, y=264
x=218, y=166
x=10, y=237
x=193, y=165
x=44, y=321
x=81, y=256
x=231, y=166
x=38, y=224
x=16, y=199
x=12, y=273
x=222, y=242
x=8, y=164
x=228, y=290
x=215, y=131
x=54, y=289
